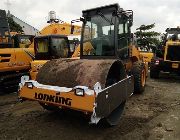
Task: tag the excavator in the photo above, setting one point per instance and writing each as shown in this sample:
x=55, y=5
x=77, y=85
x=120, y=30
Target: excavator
x=54, y=41
x=49, y=47
x=15, y=55
x=109, y=70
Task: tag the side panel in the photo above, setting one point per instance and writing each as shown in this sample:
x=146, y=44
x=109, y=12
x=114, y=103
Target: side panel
x=65, y=99
x=7, y=59
x=110, y=98
x=15, y=59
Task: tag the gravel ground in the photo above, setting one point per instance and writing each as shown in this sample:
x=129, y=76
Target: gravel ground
x=152, y=115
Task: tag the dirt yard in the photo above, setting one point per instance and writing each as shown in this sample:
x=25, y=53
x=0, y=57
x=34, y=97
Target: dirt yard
x=154, y=115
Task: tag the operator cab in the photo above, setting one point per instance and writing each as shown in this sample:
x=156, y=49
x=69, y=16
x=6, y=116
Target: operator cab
x=51, y=47
x=22, y=41
x=106, y=32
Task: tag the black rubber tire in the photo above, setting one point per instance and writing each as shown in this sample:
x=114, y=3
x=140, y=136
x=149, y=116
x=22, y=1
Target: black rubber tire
x=178, y=74
x=137, y=69
x=154, y=72
x=48, y=107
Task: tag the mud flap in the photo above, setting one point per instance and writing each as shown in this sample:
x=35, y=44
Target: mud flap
x=113, y=96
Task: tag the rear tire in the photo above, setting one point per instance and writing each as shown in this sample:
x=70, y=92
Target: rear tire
x=154, y=72
x=179, y=74
x=139, y=73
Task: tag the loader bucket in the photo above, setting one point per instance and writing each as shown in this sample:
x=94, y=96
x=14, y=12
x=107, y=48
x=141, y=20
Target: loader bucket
x=115, y=86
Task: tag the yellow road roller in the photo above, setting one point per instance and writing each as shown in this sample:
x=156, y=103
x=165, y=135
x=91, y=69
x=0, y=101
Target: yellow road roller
x=101, y=80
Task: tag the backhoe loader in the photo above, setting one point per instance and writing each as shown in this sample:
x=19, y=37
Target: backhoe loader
x=107, y=73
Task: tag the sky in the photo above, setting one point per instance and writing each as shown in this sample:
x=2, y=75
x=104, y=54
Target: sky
x=164, y=13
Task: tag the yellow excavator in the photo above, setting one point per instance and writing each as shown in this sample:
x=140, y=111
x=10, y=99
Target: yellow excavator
x=15, y=55
x=50, y=47
x=54, y=41
x=101, y=80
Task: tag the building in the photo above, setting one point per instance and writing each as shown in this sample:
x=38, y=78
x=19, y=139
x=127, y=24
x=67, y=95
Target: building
x=28, y=29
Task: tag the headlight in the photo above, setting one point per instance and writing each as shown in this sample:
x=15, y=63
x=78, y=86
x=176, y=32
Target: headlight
x=157, y=62
x=29, y=85
x=79, y=92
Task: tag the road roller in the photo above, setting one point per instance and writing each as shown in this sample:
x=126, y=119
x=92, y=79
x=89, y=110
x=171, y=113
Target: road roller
x=99, y=82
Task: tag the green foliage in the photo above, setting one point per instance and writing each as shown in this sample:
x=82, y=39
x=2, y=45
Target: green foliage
x=146, y=38
x=147, y=34
x=146, y=27
x=14, y=27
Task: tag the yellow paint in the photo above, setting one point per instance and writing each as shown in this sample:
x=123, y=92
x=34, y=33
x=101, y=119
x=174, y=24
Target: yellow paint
x=82, y=103
x=169, y=43
x=60, y=29
x=19, y=60
x=35, y=67
x=53, y=29
x=175, y=65
x=87, y=49
x=147, y=56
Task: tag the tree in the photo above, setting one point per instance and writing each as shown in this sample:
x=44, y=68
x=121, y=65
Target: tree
x=14, y=27
x=146, y=38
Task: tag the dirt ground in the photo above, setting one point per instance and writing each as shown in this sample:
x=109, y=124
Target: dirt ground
x=154, y=115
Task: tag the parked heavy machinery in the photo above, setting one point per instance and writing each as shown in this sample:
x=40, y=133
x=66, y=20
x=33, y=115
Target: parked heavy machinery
x=49, y=47
x=22, y=40
x=58, y=27
x=147, y=54
x=54, y=41
x=106, y=74
x=167, y=57
x=15, y=55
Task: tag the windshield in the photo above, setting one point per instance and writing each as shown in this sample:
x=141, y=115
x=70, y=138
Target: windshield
x=99, y=35
x=25, y=41
x=41, y=45
x=145, y=49
x=59, y=47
